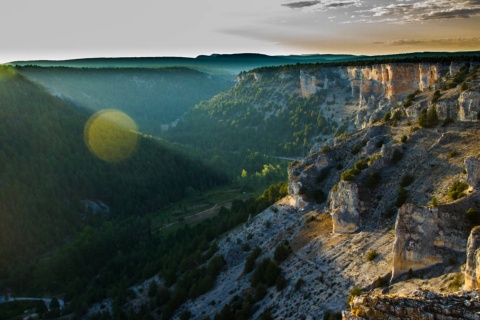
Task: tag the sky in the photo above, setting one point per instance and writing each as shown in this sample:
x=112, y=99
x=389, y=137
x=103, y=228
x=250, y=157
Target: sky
x=68, y=29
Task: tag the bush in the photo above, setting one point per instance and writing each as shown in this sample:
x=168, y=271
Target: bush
x=299, y=284
x=396, y=155
x=371, y=255
x=349, y=175
x=373, y=179
x=447, y=121
x=407, y=180
x=281, y=282
x=250, y=262
x=281, y=253
x=356, y=291
x=246, y=247
x=260, y=292
x=434, y=202
x=473, y=215
x=355, y=149
x=436, y=96
x=452, y=154
x=403, y=139
x=402, y=196
x=456, y=191
x=361, y=164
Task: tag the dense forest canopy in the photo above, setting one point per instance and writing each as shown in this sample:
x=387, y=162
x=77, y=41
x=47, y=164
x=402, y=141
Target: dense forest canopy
x=153, y=98
x=51, y=185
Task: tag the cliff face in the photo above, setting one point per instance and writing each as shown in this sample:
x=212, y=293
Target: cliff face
x=472, y=269
x=426, y=236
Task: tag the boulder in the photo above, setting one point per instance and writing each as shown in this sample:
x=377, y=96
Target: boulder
x=472, y=269
x=472, y=165
x=345, y=207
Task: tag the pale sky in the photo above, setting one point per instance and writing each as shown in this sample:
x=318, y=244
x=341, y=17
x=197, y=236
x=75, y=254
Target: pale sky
x=67, y=29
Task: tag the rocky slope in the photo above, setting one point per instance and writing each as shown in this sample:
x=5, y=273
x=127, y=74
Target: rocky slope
x=372, y=210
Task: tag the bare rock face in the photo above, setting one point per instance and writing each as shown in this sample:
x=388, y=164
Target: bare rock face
x=420, y=305
x=472, y=270
x=345, y=207
x=468, y=103
x=428, y=236
x=304, y=177
x=472, y=165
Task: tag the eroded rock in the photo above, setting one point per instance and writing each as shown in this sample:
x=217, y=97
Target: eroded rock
x=472, y=165
x=345, y=207
x=472, y=269
x=426, y=236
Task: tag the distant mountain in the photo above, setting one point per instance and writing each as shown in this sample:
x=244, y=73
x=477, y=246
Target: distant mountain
x=227, y=64
x=51, y=184
x=230, y=64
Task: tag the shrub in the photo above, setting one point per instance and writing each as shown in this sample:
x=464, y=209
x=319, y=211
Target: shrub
x=281, y=253
x=457, y=189
x=325, y=149
x=355, y=149
x=371, y=255
x=473, y=215
x=434, y=202
x=250, y=262
x=447, y=121
x=436, y=96
x=403, y=139
x=407, y=180
x=356, y=291
x=373, y=179
x=246, y=247
x=299, y=284
x=387, y=116
x=349, y=175
x=260, y=292
x=396, y=155
x=452, y=154
x=402, y=196
x=361, y=164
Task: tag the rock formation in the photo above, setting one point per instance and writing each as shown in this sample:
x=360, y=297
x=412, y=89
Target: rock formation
x=468, y=103
x=420, y=305
x=426, y=236
x=304, y=177
x=472, y=269
x=472, y=165
x=345, y=207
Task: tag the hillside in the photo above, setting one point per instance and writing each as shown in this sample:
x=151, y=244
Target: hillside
x=377, y=210
x=52, y=186
x=154, y=98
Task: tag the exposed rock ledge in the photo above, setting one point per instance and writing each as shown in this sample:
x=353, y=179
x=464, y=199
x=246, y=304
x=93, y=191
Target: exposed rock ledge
x=421, y=305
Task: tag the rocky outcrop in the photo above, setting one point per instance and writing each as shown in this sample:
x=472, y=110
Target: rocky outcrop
x=420, y=305
x=304, y=177
x=426, y=236
x=468, y=104
x=472, y=165
x=472, y=269
x=345, y=207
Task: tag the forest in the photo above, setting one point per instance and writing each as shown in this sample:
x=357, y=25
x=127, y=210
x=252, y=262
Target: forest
x=153, y=97
x=48, y=176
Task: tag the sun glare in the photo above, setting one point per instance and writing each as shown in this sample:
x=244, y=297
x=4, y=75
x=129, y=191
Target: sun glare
x=111, y=135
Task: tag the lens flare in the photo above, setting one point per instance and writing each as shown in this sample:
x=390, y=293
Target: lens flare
x=111, y=135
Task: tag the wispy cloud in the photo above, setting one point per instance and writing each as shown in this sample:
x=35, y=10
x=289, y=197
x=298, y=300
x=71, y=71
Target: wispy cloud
x=410, y=12
x=300, y=4
x=322, y=5
x=450, y=42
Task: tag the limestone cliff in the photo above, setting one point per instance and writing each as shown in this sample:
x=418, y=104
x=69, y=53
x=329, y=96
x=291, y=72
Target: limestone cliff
x=472, y=269
x=426, y=236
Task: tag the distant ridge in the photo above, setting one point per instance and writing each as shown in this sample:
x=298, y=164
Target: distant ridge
x=226, y=63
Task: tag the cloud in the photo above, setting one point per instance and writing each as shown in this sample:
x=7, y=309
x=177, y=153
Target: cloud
x=322, y=5
x=417, y=11
x=340, y=4
x=300, y=4
x=450, y=42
